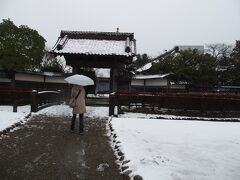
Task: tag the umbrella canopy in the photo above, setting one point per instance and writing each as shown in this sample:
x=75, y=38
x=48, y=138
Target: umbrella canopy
x=79, y=80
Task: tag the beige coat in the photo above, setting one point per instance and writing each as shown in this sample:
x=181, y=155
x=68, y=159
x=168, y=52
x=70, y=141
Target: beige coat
x=80, y=101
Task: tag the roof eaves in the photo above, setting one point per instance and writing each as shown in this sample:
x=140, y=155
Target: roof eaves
x=96, y=32
x=93, y=54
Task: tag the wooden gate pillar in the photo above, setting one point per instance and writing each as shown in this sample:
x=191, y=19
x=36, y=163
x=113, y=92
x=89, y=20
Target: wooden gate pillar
x=74, y=69
x=113, y=79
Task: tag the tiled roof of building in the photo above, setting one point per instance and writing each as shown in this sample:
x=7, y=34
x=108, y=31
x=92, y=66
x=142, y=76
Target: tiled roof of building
x=97, y=35
x=95, y=43
x=155, y=76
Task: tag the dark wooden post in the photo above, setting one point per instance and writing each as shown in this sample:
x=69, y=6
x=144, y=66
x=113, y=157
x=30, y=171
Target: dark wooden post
x=143, y=101
x=59, y=96
x=75, y=69
x=14, y=101
x=144, y=85
x=113, y=80
x=44, y=81
x=13, y=81
x=112, y=104
x=13, y=89
x=34, y=103
x=168, y=86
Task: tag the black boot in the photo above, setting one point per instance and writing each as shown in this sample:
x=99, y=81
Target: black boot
x=81, y=124
x=73, y=122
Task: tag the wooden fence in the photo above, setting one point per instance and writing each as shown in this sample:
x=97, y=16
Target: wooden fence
x=186, y=101
x=15, y=97
x=43, y=99
x=37, y=99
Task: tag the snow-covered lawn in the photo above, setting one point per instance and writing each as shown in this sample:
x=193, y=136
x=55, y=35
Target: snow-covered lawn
x=173, y=149
x=8, y=117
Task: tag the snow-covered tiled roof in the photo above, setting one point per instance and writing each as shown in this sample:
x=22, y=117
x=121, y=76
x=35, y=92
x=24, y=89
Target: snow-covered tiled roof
x=145, y=67
x=94, y=47
x=96, y=35
x=155, y=76
x=95, y=43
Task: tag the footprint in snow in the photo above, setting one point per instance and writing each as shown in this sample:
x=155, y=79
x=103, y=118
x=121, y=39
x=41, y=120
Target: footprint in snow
x=102, y=166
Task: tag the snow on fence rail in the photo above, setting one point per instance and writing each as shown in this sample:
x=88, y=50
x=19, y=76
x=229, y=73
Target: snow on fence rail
x=43, y=92
x=43, y=99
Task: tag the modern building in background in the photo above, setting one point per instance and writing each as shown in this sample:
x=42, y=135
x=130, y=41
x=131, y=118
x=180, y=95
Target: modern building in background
x=200, y=48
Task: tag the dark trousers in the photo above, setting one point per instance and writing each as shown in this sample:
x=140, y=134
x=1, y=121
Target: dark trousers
x=80, y=122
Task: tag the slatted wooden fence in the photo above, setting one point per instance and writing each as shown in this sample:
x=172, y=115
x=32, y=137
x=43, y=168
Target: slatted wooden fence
x=37, y=99
x=43, y=99
x=185, y=101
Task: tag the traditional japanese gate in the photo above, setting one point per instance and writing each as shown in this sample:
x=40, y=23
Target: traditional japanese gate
x=96, y=50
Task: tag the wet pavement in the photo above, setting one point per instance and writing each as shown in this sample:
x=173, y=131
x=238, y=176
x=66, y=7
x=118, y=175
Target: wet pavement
x=44, y=148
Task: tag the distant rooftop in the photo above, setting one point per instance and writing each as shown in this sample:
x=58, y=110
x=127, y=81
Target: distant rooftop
x=154, y=76
x=200, y=48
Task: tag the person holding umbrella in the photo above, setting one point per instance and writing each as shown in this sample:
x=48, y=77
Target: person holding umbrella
x=78, y=98
x=78, y=92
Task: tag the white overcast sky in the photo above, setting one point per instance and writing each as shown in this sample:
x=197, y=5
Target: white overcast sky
x=157, y=24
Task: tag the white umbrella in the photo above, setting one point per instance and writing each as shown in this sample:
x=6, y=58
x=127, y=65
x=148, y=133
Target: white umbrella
x=79, y=80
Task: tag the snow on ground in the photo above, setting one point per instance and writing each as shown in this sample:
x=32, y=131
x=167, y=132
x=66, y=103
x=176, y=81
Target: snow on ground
x=57, y=110
x=173, y=149
x=65, y=110
x=165, y=116
x=163, y=149
x=101, y=112
x=8, y=117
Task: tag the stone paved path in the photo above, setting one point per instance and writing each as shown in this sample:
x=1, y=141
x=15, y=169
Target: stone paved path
x=45, y=149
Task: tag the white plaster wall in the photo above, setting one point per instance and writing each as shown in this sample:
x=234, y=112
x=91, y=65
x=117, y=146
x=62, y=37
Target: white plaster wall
x=149, y=82
x=137, y=82
x=55, y=80
x=5, y=80
x=156, y=82
x=28, y=77
x=178, y=87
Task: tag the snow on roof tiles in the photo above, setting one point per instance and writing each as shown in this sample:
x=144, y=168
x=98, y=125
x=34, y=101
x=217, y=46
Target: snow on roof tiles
x=95, y=43
x=145, y=67
x=95, y=33
x=155, y=76
x=94, y=47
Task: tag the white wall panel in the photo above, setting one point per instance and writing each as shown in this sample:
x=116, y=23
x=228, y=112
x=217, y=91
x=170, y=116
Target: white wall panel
x=29, y=77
